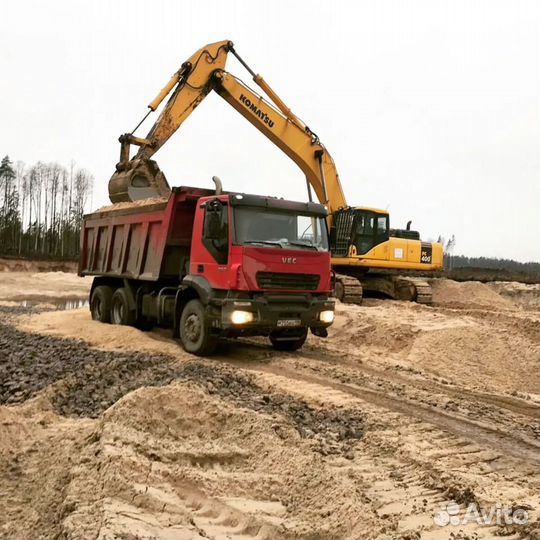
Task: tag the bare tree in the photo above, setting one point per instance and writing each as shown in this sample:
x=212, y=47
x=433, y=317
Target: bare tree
x=41, y=208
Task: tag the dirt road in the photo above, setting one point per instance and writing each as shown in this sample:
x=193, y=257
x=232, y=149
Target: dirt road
x=407, y=417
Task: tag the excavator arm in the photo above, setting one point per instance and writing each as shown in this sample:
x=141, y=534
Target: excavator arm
x=199, y=75
x=189, y=86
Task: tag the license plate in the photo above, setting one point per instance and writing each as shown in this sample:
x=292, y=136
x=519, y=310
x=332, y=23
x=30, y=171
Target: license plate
x=288, y=323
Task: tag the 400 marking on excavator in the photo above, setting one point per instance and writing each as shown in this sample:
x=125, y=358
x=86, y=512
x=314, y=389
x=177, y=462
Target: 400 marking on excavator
x=258, y=112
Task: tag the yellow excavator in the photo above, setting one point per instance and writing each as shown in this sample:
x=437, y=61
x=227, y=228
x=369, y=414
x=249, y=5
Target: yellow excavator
x=366, y=253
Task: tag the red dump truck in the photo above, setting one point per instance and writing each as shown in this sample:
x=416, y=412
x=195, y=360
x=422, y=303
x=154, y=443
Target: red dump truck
x=211, y=265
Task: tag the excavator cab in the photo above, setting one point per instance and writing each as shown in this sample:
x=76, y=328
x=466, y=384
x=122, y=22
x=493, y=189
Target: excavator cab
x=370, y=229
x=363, y=228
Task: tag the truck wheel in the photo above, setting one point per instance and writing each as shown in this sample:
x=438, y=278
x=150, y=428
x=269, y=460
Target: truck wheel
x=194, y=333
x=100, y=303
x=285, y=341
x=120, y=312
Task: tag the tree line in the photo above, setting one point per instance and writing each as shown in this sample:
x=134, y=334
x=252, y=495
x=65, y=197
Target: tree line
x=462, y=261
x=463, y=268
x=41, y=209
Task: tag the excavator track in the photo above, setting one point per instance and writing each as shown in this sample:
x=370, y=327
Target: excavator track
x=409, y=289
x=414, y=289
x=348, y=289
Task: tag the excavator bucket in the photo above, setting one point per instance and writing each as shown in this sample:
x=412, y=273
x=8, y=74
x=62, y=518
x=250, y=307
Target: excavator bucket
x=138, y=179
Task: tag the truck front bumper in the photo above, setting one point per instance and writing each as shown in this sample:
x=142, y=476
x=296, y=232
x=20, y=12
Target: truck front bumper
x=262, y=314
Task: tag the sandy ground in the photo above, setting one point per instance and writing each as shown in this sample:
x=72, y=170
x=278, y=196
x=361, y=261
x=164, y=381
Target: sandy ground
x=110, y=432
x=47, y=287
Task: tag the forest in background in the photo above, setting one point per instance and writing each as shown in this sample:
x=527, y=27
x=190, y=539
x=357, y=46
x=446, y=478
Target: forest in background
x=41, y=208
x=463, y=268
x=462, y=261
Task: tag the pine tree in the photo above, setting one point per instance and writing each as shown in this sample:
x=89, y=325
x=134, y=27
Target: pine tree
x=10, y=221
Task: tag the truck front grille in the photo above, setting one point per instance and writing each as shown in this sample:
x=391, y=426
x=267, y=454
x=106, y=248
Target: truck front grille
x=296, y=282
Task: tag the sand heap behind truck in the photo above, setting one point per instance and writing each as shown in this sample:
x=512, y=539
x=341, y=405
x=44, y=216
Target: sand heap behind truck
x=210, y=265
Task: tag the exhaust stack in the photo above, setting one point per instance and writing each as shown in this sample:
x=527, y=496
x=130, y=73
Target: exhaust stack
x=219, y=185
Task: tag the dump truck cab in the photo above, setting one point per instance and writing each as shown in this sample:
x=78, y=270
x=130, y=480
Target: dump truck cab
x=265, y=261
x=212, y=265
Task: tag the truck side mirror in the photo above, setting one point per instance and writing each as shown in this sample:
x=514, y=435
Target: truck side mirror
x=213, y=220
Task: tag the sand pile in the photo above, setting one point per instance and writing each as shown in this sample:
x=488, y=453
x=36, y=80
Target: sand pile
x=78, y=324
x=357, y=328
x=176, y=462
x=386, y=327
x=169, y=462
x=495, y=347
x=447, y=292
x=37, y=458
x=479, y=357
x=524, y=295
x=132, y=204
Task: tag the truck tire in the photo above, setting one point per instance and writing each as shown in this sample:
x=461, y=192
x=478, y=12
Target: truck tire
x=285, y=341
x=100, y=303
x=194, y=332
x=120, y=312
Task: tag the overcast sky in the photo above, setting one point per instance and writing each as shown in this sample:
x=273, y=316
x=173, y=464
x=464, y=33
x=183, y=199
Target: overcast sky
x=429, y=108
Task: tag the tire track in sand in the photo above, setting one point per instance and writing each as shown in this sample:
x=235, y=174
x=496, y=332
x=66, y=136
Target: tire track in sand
x=410, y=469
x=479, y=432
x=261, y=352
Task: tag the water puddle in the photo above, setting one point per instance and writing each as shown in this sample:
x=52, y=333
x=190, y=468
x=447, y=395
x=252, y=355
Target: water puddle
x=61, y=304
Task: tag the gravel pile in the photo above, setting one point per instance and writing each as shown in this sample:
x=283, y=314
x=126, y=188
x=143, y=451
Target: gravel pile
x=86, y=381
x=335, y=430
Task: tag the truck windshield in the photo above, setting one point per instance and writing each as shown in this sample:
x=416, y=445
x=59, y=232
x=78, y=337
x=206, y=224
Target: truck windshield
x=275, y=228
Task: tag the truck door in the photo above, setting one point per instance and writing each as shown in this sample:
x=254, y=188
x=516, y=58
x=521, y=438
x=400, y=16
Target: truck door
x=211, y=258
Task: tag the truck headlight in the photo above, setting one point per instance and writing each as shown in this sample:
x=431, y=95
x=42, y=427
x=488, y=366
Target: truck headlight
x=241, y=317
x=326, y=316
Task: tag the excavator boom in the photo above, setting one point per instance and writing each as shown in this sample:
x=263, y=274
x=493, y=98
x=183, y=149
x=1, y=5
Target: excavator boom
x=295, y=140
x=200, y=74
